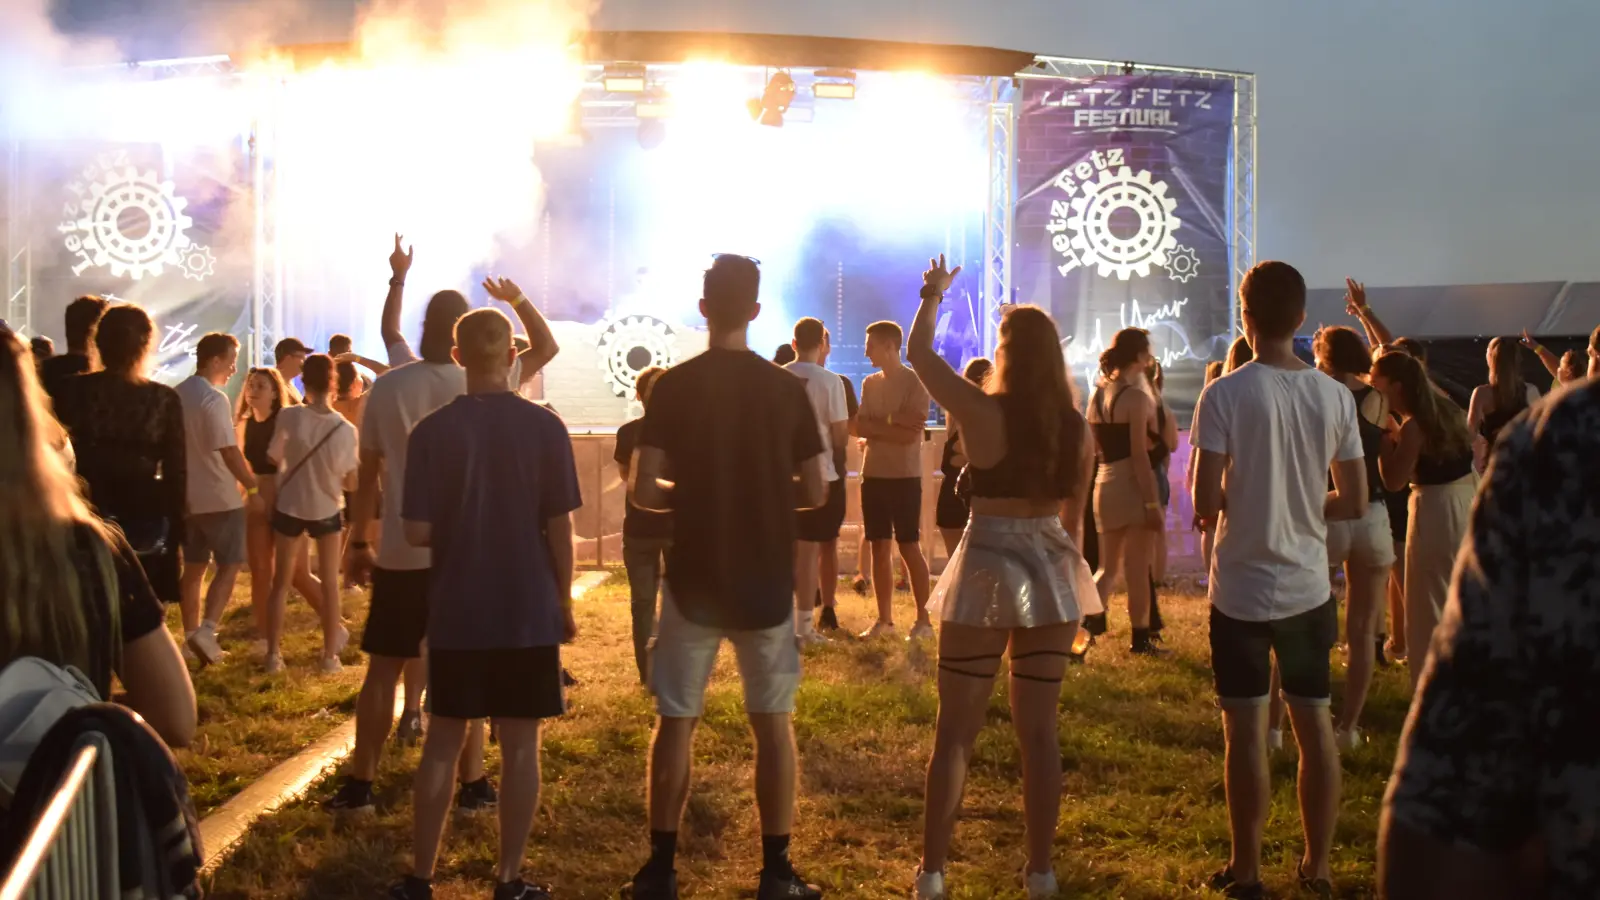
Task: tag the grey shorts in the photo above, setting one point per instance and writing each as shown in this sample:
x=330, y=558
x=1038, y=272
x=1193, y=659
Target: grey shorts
x=685, y=653
x=218, y=535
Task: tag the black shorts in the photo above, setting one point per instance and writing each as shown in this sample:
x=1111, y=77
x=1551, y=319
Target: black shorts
x=821, y=525
x=496, y=684
x=891, y=508
x=289, y=526
x=350, y=504
x=397, y=617
x=1399, y=503
x=952, y=511
x=1242, y=652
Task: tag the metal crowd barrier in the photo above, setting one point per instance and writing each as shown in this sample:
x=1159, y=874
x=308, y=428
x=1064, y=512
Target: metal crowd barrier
x=72, y=852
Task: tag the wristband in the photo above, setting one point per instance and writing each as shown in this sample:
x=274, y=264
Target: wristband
x=518, y=300
x=251, y=491
x=397, y=281
x=1155, y=506
x=929, y=292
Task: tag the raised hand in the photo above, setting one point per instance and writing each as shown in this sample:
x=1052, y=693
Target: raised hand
x=504, y=289
x=1355, y=297
x=347, y=358
x=400, y=260
x=938, y=276
x=1528, y=341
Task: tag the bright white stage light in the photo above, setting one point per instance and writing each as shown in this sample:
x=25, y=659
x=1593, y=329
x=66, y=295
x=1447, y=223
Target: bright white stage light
x=625, y=79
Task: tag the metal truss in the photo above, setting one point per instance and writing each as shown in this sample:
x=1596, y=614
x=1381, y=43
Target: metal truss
x=1000, y=212
x=18, y=308
x=267, y=285
x=1242, y=168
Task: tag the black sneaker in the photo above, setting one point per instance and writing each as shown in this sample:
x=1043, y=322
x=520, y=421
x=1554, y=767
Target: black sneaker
x=1225, y=884
x=1321, y=888
x=410, y=888
x=859, y=585
x=476, y=797
x=1381, y=654
x=409, y=732
x=352, y=797
x=647, y=885
x=786, y=886
x=521, y=890
x=827, y=620
x=567, y=680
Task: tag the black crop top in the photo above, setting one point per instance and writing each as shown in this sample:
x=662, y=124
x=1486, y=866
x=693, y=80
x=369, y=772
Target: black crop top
x=1431, y=471
x=1115, y=439
x=1371, y=446
x=257, y=437
x=1490, y=427
x=1007, y=480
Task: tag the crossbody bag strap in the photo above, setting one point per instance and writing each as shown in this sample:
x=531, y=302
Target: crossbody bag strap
x=307, y=458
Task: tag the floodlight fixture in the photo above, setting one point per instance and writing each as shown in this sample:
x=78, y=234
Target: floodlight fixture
x=834, y=84
x=625, y=79
x=653, y=106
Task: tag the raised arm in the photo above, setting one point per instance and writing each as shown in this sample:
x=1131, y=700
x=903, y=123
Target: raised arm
x=542, y=345
x=1355, y=303
x=1552, y=363
x=982, y=432
x=399, y=265
x=371, y=365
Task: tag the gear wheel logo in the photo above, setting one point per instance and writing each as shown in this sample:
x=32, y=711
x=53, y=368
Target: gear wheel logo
x=1095, y=239
x=197, y=262
x=1182, y=264
x=630, y=345
x=135, y=225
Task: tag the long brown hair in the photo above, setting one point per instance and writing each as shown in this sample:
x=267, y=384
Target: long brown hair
x=1029, y=366
x=280, y=390
x=1239, y=353
x=1443, y=424
x=42, y=578
x=1505, y=375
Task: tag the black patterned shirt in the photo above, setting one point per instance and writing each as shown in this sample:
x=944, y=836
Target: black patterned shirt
x=1503, y=743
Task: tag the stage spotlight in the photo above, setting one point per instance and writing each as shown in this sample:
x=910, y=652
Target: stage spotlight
x=624, y=79
x=652, y=133
x=653, y=106
x=835, y=84
x=775, y=101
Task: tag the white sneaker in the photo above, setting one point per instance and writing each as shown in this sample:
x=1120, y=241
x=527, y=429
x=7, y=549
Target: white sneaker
x=930, y=886
x=811, y=637
x=1348, y=739
x=340, y=639
x=1042, y=887
x=274, y=664
x=1274, y=739
x=878, y=629
x=922, y=631
x=203, y=641
x=258, y=648
x=331, y=665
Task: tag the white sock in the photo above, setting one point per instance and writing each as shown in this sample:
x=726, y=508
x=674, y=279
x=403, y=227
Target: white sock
x=803, y=625
x=208, y=626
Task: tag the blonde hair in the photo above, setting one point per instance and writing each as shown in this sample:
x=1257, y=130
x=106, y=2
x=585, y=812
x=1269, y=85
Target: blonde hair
x=41, y=574
x=482, y=338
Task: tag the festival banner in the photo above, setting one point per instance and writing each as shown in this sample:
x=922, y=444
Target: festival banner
x=1122, y=220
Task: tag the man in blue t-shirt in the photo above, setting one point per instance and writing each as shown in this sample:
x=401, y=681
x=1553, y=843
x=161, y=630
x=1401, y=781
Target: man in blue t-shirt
x=490, y=485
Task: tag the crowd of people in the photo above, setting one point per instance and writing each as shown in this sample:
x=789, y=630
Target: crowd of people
x=431, y=478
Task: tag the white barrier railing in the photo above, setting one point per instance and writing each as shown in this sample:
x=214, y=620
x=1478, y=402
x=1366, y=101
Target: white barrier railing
x=71, y=854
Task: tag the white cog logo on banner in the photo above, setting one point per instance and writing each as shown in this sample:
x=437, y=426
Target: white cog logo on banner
x=134, y=224
x=197, y=262
x=1096, y=241
x=1182, y=264
x=629, y=346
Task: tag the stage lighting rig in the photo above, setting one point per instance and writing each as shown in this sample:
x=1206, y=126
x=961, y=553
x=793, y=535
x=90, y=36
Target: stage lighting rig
x=625, y=79
x=834, y=84
x=775, y=101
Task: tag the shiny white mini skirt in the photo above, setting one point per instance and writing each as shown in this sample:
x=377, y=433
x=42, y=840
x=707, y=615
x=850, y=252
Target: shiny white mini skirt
x=1015, y=573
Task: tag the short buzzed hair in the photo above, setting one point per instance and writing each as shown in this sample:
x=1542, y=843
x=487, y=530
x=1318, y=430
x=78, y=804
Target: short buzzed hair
x=732, y=288
x=212, y=346
x=340, y=344
x=808, y=334
x=1273, y=295
x=886, y=330
x=482, y=338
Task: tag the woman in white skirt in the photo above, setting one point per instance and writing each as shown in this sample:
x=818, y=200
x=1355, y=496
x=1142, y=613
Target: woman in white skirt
x=1017, y=582
x=1432, y=452
x=1364, y=546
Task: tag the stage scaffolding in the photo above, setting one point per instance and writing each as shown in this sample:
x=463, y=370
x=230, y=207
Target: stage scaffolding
x=272, y=297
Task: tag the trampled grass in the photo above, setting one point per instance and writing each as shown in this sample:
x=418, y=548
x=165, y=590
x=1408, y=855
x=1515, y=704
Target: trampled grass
x=1142, y=815
x=251, y=721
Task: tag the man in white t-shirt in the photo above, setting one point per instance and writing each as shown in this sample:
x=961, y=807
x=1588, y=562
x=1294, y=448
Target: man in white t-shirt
x=214, y=527
x=816, y=528
x=397, y=618
x=1285, y=424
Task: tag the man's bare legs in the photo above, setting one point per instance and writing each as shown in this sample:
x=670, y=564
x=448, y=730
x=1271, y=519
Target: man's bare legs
x=434, y=786
x=671, y=753
x=917, y=574
x=1248, y=787
x=189, y=584
x=519, y=792
x=806, y=583
x=415, y=674
x=776, y=772
x=883, y=579
x=375, y=714
x=1318, y=786
x=828, y=573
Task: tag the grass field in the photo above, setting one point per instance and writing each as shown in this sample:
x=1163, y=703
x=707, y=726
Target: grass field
x=1142, y=815
x=251, y=721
